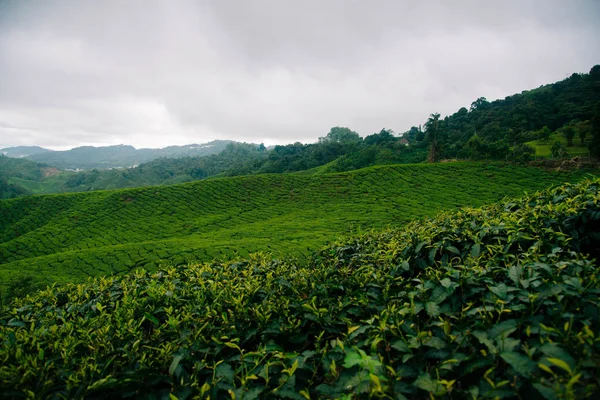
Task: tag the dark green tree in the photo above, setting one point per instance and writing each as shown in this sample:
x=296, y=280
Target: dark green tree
x=594, y=145
x=432, y=132
x=569, y=133
x=558, y=150
x=582, y=129
x=340, y=135
x=480, y=104
x=523, y=153
x=544, y=133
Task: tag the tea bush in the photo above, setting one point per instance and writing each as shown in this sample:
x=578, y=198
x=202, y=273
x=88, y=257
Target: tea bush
x=70, y=237
x=497, y=302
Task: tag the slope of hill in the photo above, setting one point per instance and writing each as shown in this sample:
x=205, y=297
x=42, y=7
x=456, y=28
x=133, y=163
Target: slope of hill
x=490, y=129
x=18, y=174
x=36, y=178
x=499, y=302
x=88, y=157
x=543, y=147
x=62, y=238
x=22, y=151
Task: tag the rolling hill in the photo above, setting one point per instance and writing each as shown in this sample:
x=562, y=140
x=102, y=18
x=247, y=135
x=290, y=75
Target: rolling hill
x=69, y=237
x=106, y=157
x=498, y=302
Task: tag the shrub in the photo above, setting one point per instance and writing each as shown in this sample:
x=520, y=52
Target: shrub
x=496, y=302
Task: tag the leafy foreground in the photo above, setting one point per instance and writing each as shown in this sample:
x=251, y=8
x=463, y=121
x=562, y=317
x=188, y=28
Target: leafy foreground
x=497, y=302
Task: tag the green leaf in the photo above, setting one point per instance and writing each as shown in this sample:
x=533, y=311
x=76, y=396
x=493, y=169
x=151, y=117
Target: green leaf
x=503, y=329
x=400, y=345
x=352, y=358
x=561, y=364
x=446, y=282
x=435, y=342
x=16, y=323
x=453, y=249
x=546, y=392
x=174, y=363
x=426, y=383
x=483, y=339
x=253, y=393
x=514, y=273
x=500, y=290
x=554, y=351
x=225, y=372
x=433, y=310
x=520, y=363
x=475, y=250
x=151, y=318
x=439, y=295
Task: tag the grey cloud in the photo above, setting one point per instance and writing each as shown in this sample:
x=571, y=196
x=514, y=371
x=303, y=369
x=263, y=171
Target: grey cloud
x=154, y=73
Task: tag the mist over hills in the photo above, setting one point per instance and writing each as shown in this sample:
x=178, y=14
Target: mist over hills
x=291, y=201
x=106, y=157
x=557, y=120
x=22, y=151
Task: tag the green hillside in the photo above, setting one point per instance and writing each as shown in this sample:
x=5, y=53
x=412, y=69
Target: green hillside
x=499, y=302
x=68, y=237
x=543, y=147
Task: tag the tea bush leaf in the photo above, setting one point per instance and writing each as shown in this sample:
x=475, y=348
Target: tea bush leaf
x=520, y=363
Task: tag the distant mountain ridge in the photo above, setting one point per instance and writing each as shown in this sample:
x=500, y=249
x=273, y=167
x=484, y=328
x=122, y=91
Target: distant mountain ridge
x=107, y=157
x=23, y=151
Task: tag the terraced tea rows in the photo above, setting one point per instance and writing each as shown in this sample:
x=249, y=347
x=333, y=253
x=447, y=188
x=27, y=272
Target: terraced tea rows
x=500, y=302
x=60, y=238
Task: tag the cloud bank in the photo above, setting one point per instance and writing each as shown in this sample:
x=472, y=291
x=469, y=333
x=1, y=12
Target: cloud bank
x=158, y=73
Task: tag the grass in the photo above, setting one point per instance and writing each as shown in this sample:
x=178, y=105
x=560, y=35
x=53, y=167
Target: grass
x=543, y=148
x=497, y=302
x=69, y=237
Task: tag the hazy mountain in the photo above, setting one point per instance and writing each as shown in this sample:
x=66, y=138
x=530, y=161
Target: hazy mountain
x=89, y=157
x=23, y=151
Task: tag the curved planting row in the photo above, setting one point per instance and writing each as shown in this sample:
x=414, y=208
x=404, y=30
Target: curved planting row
x=66, y=237
x=498, y=302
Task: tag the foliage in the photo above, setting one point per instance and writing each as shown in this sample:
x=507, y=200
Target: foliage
x=558, y=150
x=10, y=190
x=519, y=118
x=523, y=153
x=498, y=302
x=569, y=133
x=543, y=148
x=595, y=130
x=582, y=128
x=69, y=237
x=432, y=134
x=544, y=133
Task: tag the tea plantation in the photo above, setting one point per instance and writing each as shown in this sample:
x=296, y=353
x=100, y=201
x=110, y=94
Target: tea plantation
x=497, y=302
x=69, y=237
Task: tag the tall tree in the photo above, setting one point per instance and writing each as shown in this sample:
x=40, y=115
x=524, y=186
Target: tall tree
x=595, y=130
x=339, y=134
x=432, y=131
x=569, y=134
x=582, y=129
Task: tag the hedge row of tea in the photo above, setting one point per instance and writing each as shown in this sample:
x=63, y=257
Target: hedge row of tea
x=498, y=302
x=69, y=237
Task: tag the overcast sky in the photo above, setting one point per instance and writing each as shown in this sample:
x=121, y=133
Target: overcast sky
x=157, y=73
